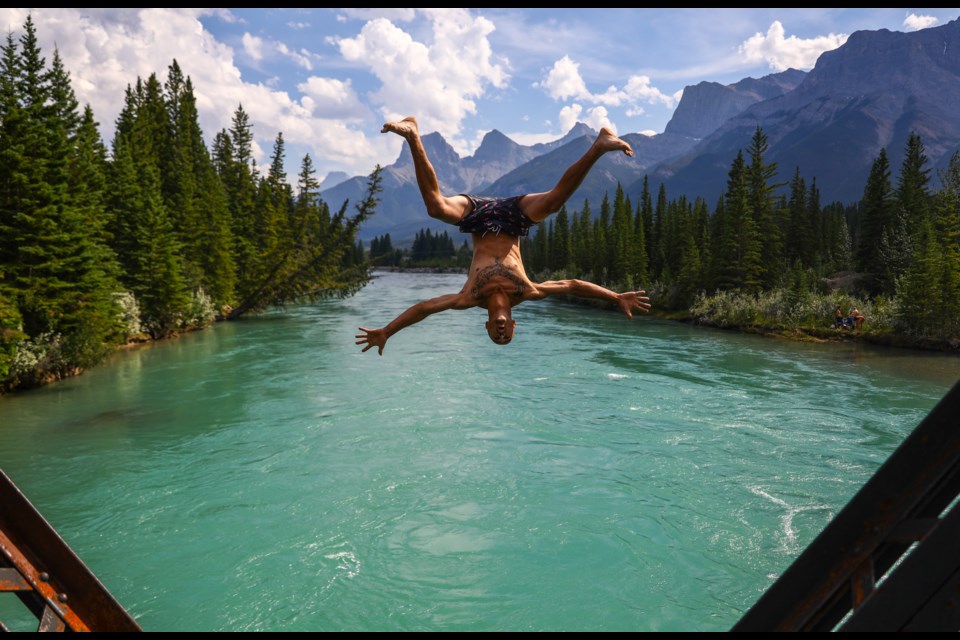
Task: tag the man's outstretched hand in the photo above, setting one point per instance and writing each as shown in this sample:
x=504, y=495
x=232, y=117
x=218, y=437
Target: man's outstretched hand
x=373, y=338
x=633, y=301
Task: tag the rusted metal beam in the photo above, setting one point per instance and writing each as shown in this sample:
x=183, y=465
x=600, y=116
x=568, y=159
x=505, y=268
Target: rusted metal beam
x=61, y=591
x=50, y=621
x=11, y=580
x=912, y=587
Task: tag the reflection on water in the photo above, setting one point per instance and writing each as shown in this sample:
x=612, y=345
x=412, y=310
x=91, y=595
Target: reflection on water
x=596, y=474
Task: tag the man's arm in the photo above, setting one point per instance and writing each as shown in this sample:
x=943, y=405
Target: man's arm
x=416, y=313
x=628, y=301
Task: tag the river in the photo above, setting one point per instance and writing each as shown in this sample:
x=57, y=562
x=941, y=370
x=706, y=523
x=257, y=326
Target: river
x=598, y=473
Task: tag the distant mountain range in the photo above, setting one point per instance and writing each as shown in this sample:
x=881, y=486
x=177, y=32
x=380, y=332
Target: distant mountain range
x=867, y=95
x=831, y=123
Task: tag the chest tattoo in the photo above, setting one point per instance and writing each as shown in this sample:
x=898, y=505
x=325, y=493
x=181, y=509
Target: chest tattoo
x=486, y=274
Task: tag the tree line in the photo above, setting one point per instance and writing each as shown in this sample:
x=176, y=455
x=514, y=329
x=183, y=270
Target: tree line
x=156, y=235
x=902, y=240
x=429, y=249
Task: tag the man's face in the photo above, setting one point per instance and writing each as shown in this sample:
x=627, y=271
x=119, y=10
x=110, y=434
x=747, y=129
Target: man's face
x=500, y=328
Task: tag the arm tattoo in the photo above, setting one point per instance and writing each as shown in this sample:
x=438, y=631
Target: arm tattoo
x=499, y=269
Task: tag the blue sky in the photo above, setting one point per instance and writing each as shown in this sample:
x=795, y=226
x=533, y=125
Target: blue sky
x=329, y=78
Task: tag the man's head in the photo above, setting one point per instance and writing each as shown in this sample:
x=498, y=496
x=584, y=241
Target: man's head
x=500, y=325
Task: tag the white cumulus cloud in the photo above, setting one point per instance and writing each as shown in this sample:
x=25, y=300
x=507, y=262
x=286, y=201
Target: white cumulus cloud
x=913, y=22
x=782, y=52
x=594, y=117
x=331, y=98
x=301, y=57
x=639, y=89
x=564, y=82
x=105, y=50
x=253, y=46
x=569, y=116
x=597, y=118
x=438, y=79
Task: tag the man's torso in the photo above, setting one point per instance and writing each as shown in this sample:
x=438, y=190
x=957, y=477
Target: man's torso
x=497, y=266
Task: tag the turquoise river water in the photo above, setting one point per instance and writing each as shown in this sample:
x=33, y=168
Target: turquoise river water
x=596, y=474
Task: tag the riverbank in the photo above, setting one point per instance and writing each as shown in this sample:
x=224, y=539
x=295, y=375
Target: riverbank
x=765, y=315
x=800, y=332
x=816, y=334
x=769, y=315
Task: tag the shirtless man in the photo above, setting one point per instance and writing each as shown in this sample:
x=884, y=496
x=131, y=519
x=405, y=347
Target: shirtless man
x=497, y=280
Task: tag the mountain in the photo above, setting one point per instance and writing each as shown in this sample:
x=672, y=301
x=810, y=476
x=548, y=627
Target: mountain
x=706, y=106
x=333, y=179
x=496, y=155
x=702, y=109
x=577, y=131
x=543, y=172
x=831, y=122
x=401, y=212
x=868, y=94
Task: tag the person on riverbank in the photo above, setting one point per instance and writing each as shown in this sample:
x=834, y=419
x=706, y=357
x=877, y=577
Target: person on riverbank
x=497, y=280
x=856, y=319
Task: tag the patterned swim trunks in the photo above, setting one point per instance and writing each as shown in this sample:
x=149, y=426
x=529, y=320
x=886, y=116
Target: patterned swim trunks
x=499, y=215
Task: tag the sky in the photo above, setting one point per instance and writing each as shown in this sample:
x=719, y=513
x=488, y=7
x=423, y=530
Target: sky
x=327, y=79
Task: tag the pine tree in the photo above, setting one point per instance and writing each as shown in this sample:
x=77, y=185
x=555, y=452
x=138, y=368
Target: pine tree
x=33, y=204
x=946, y=209
x=720, y=233
x=601, y=252
x=158, y=279
x=144, y=235
x=764, y=210
x=700, y=225
x=551, y=242
x=274, y=208
x=621, y=236
x=538, y=251
x=920, y=310
x=838, y=247
x=639, y=261
x=738, y=259
x=876, y=214
x=657, y=257
x=307, y=225
x=239, y=175
x=93, y=324
x=895, y=251
x=11, y=157
x=689, y=276
x=645, y=214
x=583, y=242
x=55, y=266
x=296, y=274
x=912, y=194
x=815, y=228
x=560, y=250
x=799, y=244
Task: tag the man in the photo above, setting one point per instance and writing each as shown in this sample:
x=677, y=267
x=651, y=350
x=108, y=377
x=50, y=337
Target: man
x=497, y=280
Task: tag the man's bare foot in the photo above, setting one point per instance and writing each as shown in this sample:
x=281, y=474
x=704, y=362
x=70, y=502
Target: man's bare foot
x=406, y=127
x=608, y=141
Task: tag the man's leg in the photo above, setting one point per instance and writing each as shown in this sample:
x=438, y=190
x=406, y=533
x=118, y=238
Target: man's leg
x=540, y=205
x=449, y=210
